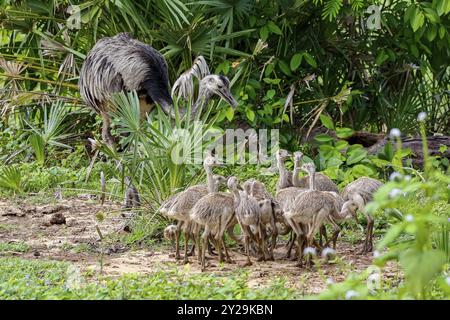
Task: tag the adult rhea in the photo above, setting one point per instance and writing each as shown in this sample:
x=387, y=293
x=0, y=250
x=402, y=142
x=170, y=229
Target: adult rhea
x=121, y=63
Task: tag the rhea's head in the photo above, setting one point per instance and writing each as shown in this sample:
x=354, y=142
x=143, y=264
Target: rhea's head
x=298, y=156
x=349, y=209
x=309, y=167
x=218, y=85
x=282, y=154
x=220, y=180
x=233, y=183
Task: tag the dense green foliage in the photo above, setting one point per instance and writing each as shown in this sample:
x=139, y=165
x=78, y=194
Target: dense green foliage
x=294, y=65
x=24, y=279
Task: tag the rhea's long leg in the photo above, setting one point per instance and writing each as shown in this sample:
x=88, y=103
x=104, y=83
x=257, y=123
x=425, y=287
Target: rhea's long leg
x=247, y=247
x=205, y=243
x=186, y=244
x=106, y=130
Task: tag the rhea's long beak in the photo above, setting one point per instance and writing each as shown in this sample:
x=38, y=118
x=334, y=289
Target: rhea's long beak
x=228, y=97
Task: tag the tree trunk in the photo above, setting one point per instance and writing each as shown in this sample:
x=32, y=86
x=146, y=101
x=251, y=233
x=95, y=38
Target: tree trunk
x=375, y=142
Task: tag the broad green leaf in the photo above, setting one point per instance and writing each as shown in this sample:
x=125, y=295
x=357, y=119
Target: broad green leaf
x=442, y=32
x=381, y=57
x=431, y=14
x=361, y=170
x=274, y=28
x=326, y=121
x=296, y=60
x=417, y=20
x=443, y=7
x=229, y=113
x=431, y=33
x=284, y=67
x=341, y=144
x=323, y=138
x=421, y=267
x=344, y=132
x=310, y=59
x=250, y=114
x=270, y=94
x=356, y=156
x=409, y=13
x=264, y=33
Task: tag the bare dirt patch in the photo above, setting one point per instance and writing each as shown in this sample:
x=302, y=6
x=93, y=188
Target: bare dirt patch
x=78, y=242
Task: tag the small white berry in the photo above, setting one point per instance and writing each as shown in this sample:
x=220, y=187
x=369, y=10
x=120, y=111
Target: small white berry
x=395, y=192
x=351, y=294
x=395, y=176
x=409, y=218
x=330, y=281
x=421, y=116
x=310, y=251
x=447, y=280
x=395, y=133
x=328, y=252
x=376, y=254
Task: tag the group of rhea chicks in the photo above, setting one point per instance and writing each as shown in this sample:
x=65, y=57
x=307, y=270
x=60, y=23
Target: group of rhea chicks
x=302, y=206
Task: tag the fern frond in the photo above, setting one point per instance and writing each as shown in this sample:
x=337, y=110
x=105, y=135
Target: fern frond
x=331, y=9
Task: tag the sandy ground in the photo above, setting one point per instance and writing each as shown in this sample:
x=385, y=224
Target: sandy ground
x=78, y=242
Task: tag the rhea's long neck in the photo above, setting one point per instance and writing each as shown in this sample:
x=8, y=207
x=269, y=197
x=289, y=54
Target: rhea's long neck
x=295, y=174
x=237, y=196
x=211, y=184
x=312, y=181
x=202, y=100
x=283, y=180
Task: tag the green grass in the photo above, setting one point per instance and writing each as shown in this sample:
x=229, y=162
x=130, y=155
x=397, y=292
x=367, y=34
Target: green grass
x=7, y=227
x=27, y=279
x=14, y=247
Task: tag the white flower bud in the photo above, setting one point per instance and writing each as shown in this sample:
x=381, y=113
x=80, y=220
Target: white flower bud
x=328, y=252
x=395, y=133
x=394, y=193
x=395, y=176
x=421, y=116
x=351, y=294
x=310, y=251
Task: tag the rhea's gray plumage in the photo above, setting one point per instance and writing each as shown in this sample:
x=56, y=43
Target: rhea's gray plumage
x=364, y=186
x=122, y=63
x=169, y=232
x=178, y=207
x=286, y=194
x=268, y=208
x=256, y=189
x=285, y=178
x=323, y=183
x=248, y=214
x=309, y=211
x=356, y=195
x=213, y=212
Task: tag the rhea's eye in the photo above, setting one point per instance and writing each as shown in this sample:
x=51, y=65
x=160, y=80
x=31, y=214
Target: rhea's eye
x=219, y=86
